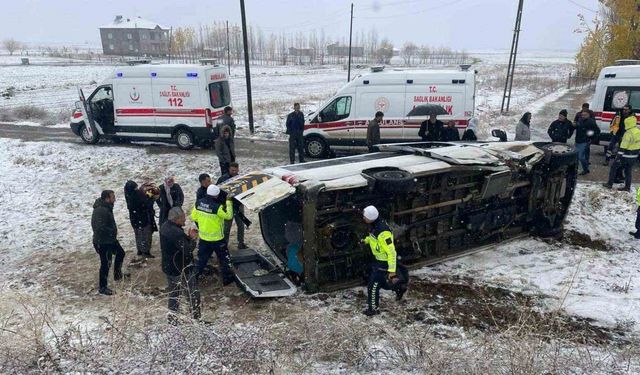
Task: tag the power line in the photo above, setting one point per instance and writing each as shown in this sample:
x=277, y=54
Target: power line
x=582, y=6
x=412, y=12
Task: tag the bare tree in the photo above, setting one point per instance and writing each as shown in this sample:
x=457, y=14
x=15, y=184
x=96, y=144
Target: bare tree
x=409, y=50
x=11, y=45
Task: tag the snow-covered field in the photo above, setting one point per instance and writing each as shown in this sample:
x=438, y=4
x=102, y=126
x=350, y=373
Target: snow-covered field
x=276, y=88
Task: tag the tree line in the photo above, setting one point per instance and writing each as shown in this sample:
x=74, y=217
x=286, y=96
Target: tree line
x=189, y=44
x=613, y=34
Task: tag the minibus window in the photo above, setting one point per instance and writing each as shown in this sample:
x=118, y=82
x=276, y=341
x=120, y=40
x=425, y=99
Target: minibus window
x=219, y=94
x=634, y=99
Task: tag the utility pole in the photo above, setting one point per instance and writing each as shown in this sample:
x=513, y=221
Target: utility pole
x=506, y=96
x=350, y=37
x=170, y=42
x=247, y=71
x=228, y=50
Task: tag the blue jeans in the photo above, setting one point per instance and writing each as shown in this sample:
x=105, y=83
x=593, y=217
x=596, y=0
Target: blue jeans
x=206, y=249
x=583, y=155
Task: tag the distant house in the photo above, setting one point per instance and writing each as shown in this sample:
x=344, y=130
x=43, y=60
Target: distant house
x=338, y=50
x=134, y=37
x=302, y=55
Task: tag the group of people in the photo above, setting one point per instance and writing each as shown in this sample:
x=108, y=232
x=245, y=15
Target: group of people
x=213, y=213
x=431, y=130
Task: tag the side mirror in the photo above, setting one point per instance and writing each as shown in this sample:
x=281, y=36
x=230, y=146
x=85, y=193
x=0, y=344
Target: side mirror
x=500, y=134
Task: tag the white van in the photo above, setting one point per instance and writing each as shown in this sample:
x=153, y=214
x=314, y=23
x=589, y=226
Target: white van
x=616, y=86
x=341, y=122
x=170, y=103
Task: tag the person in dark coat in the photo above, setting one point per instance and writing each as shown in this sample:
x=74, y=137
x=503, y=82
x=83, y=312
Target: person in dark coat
x=170, y=196
x=373, y=131
x=523, y=128
x=470, y=133
x=295, y=129
x=586, y=131
x=578, y=116
x=227, y=120
x=105, y=239
x=141, y=215
x=177, y=263
x=561, y=129
x=225, y=149
x=450, y=133
x=431, y=129
x=238, y=210
x=205, y=181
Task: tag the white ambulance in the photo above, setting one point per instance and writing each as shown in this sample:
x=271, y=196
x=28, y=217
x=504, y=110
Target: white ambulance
x=616, y=86
x=341, y=122
x=169, y=103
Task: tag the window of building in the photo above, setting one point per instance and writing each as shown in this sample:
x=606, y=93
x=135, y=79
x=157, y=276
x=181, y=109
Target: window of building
x=130, y=47
x=110, y=36
x=129, y=36
x=111, y=47
x=144, y=36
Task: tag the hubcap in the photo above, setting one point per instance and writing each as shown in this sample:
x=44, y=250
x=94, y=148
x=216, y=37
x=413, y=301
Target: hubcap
x=315, y=148
x=85, y=134
x=559, y=149
x=184, y=140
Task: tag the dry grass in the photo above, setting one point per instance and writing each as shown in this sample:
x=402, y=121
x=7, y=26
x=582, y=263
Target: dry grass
x=133, y=338
x=35, y=114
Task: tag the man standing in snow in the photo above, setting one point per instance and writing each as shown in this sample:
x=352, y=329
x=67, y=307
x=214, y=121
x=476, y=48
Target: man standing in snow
x=141, y=215
x=578, y=116
x=177, y=263
x=295, y=129
x=171, y=195
x=523, y=129
x=561, y=129
x=227, y=120
x=105, y=239
x=210, y=214
x=373, y=131
x=627, y=154
x=225, y=149
x=586, y=131
x=431, y=129
x=238, y=210
x=383, y=270
x=450, y=133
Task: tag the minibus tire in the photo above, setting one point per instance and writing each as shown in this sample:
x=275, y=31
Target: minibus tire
x=184, y=139
x=393, y=181
x=84, y=135
x=316, y=147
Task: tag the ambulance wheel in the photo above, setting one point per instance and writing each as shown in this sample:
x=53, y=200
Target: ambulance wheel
x=184, y=139
x=316, y=147
x=86, y=137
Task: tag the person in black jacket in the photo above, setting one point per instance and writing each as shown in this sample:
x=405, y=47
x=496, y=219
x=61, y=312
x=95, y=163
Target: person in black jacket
x=170, y=196
x=141, y=215
x=470, y=133
x=586, y=131
x=561, y=129
x=105, y=239
x=450, y=133
x=205, y=181
x=295, y=129
x=431, y=129
x=177, y=263
x=238, y=210
x=578, y=116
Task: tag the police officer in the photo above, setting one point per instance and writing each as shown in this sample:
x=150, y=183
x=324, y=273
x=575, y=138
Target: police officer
x=210, y=214
x=383, y=269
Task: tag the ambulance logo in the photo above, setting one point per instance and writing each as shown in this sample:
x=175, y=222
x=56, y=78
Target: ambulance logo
x=381, y=104
x=134, y=95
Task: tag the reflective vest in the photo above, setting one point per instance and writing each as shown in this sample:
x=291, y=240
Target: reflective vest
x=210, y=216
x=380, y=240
x=638, y=196
x=630, y=145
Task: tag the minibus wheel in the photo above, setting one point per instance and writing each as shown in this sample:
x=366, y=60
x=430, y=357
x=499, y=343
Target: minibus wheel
x=84, y=135
x=316, y=147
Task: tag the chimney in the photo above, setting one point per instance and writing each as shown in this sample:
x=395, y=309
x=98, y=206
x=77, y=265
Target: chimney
x=118, y=19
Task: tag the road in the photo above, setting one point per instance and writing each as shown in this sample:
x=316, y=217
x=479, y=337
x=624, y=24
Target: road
x=275, y=149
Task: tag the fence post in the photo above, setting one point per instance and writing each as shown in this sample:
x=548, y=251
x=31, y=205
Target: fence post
x=569, y=84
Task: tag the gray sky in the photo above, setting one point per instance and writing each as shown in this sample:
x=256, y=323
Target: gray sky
x=459, y=24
